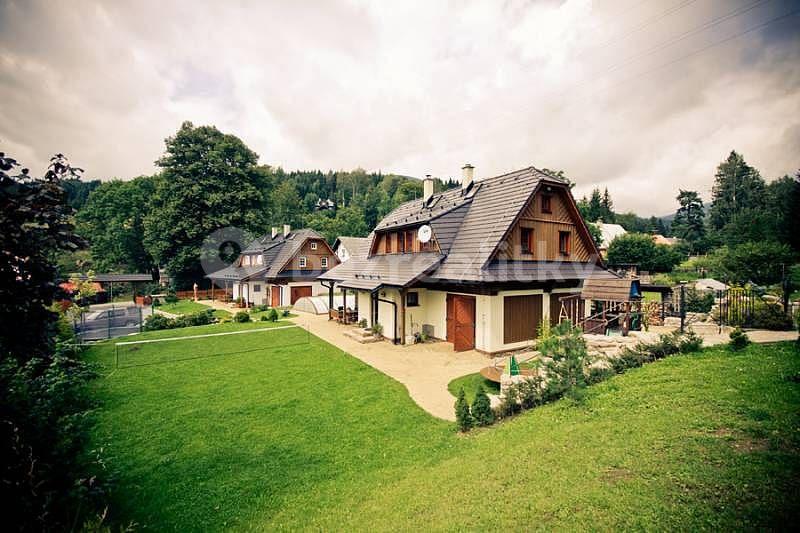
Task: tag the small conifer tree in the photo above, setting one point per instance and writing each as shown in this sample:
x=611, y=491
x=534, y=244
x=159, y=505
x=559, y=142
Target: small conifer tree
x=482, y=408
x=463, y=416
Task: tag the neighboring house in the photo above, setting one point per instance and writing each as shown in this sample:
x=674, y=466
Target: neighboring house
x=609, y=232
x=709, y=284
x=346, y=247
x=480, y=266
x=280, y=268
x=669, y=241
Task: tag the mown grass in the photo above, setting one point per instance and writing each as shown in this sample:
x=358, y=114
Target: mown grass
x=470, y=384
x=307, y=437
x=183, y=307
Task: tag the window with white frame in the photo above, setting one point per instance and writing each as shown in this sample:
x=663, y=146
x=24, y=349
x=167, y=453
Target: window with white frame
x=324, y=262
x=313, y=245
x=259, y=259
x=303, y=261
x=246, y=260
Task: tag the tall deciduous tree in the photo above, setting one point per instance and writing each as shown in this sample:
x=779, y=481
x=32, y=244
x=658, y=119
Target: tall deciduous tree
x=285, y=204
x=209, y=181
x=113, y=222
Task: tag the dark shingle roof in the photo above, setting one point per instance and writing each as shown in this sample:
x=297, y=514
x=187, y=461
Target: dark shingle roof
x=469, y=225
x=396, y=270
x=357, y=246
x=277, y=252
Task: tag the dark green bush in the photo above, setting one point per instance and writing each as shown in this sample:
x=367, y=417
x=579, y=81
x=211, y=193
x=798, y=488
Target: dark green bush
x=260, y=308
x=598, y=374
x=158, y=321
x=272, y=315
x=510, y=404
x=285, y=312
x=241, y=316
x=739, y=340
x=171, y=296
x=482, y=408
x=771, y=316
x=699, y=301
x=690, y=342
x=264, y=318
x=530, y=392
x=463, y=416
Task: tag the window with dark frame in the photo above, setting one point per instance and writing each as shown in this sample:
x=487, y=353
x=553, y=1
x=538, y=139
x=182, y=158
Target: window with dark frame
x=256, y=288
x=410, y=241
x=563, y=242
x=412, y=299
x=526, y=240
x=401, y=243
x=388, y=243
x=546, y=207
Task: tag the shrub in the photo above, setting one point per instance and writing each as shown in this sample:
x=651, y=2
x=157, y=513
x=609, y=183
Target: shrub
x=690, y=342
x=597, y=374
x=771, y=316
x=260, y=308
x=510, y=405
x=362, y=323
x=463, y=416
x=264, y=318
x=241, y=316
x=567, y=351
x=156, y=302
x=285, y=312
x=171, y=296
x=699, y=301
x=530, y=392
x=157, y=321
x=272, y=315
x=629, y=358
x=739, y=340
x=482, y=408
x=377, y=329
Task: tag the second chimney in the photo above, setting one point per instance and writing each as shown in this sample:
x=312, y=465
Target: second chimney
x=427, y=189
x=275, y=231
x=466, y=176
x=286, y=230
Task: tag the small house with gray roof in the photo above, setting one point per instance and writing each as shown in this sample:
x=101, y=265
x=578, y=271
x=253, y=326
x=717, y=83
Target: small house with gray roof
x=279, y=268
x=480, y=265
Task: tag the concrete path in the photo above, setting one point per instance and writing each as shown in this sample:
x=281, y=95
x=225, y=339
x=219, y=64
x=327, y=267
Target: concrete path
x=425, y=369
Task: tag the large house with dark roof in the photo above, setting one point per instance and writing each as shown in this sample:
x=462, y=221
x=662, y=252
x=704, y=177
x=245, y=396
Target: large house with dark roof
x=279, y=268
x=480, y=266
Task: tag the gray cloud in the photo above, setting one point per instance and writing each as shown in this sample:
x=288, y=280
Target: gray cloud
x=411, y=87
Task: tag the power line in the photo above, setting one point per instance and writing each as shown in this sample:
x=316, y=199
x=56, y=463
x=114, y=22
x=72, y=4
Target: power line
x=646, y=23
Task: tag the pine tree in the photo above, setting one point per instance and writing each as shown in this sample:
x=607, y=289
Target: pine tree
x=482, y=408
x=595, y=210
x=737, y=187
x=607, y=207
x=463, y=416
x=689, y=222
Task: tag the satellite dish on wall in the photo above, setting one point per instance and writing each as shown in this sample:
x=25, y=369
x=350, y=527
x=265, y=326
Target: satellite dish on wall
x=424, y=233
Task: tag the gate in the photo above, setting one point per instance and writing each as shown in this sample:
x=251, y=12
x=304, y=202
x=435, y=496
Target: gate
x=736, y=307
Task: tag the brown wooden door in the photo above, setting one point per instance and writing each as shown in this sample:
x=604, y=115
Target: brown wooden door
x=276, y=296
x=461, y=321
x=300, y=292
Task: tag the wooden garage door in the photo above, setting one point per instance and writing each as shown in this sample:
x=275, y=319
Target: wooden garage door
x=461, y=321
x=572, y=306
x=521, y=317
x=300, y=292
x=276, y=296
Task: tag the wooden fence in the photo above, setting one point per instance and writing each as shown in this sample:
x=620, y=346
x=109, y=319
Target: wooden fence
x=207, y=294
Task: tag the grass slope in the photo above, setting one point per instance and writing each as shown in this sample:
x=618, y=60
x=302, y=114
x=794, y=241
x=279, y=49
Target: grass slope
x=183, y=307
x=306, y=437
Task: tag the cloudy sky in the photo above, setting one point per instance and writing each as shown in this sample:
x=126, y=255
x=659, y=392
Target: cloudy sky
x=640, y=96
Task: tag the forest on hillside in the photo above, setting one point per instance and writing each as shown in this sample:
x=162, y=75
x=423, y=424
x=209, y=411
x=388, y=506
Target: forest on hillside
x=209, y=180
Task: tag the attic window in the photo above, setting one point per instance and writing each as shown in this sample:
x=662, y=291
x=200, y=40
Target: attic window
x=259, y=259
x=303, y=261
x=324, y=263
x=246, y=260
x=313, y=245
x=563, y=242
x=546, y=201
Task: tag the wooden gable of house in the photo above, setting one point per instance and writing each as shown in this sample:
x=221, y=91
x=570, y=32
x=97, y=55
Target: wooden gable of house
x=552, y=229
x=313, y=250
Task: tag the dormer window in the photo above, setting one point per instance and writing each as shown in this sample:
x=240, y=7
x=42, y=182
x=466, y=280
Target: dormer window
x=546, y=203
x=246, y=260
x=259, y=259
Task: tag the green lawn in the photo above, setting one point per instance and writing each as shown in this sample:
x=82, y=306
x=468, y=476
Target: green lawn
x=183, y=307
x=303, y=436
x=470, y=384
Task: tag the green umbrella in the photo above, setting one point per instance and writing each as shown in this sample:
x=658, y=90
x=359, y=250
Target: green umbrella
x=512, y=368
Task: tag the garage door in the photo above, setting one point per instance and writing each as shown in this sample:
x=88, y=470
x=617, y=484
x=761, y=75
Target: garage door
x=521, y=317
x=300, y=292
x=461, y=321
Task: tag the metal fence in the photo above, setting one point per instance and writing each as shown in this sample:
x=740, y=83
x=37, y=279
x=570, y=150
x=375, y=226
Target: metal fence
x=113, y=320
